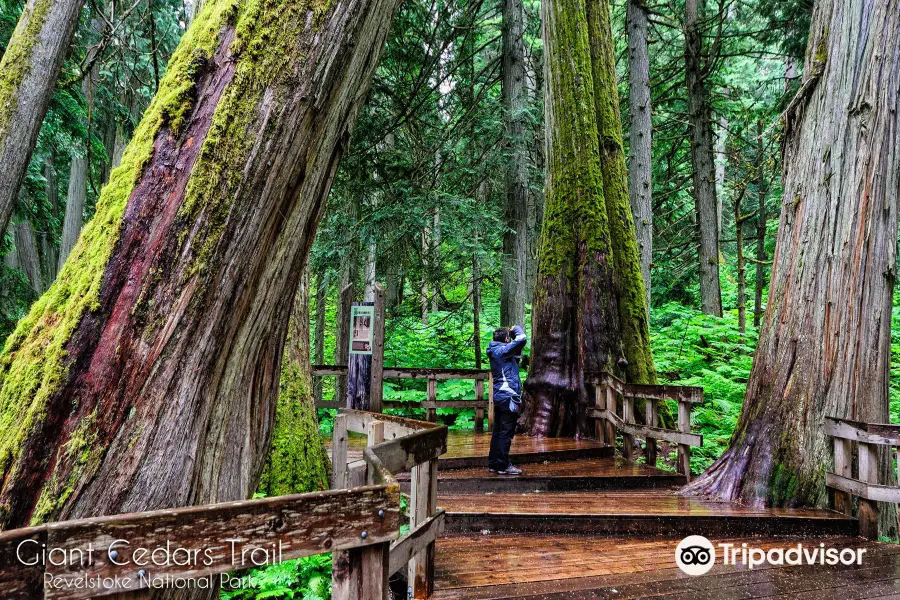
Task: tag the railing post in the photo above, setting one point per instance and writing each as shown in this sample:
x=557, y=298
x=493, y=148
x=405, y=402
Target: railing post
x=628, y=417
x=431, y=411
x=490, y=414
x=840, y=500
x=479, y=411
x=611, y=407
x=651, y=418
x=684, y=451
x=339, y=474
x=422, y=505
x=375, y=431
x=600, y=404
x=361, y=573
x=868, y=472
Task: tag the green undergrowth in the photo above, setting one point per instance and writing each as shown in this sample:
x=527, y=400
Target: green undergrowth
x=307, y=578
x=701, y=350
x=33, y=360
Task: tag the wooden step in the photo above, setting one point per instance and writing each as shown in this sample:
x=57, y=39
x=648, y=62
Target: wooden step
x=608, y=473
x=471, y=450
x=529, y=567
x=647, y=512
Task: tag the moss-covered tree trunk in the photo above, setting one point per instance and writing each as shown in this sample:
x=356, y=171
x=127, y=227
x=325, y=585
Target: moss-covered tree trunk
x=581, y=295
x=147, y=375
x=297, y=460
x=824, y=346
x=28, y=72
x=632, y=296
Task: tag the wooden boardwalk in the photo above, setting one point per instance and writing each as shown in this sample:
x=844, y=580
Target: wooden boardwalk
x=590, y=567
x=583, y=524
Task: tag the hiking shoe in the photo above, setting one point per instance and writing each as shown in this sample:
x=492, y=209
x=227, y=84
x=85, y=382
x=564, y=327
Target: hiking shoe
x=510, y=470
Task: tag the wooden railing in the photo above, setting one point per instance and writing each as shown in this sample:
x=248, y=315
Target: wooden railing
x=607, y=387
x=481, y=404
x=101, y=556
x=411, y=446
x=865, y=486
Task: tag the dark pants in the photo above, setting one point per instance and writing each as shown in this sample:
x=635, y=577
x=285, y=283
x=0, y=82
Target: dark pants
x=502, y=436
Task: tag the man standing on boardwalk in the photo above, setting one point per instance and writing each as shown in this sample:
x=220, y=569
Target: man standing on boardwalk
x=504, y=354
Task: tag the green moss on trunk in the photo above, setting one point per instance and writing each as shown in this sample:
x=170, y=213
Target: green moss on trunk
x=17, y=58
x=632, y=298
x=33, y=362
x=574, y=209
x=297, y=460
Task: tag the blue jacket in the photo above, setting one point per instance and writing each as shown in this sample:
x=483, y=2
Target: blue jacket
x=505, y=368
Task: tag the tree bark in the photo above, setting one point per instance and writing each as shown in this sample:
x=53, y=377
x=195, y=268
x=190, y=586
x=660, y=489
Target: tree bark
x=79, y=171
x=28, y=72
x=741, y=264
x=515, y=237
x=319, y=344
x=721, y=161
x=640, y=166
x=394, y=292
x=761, y=218
x=703, y=171
x=297, y=460
x=575, y=320
x=49, y=248
x=632, y=297
x=346, y=296
x=27, y=253
x=535, y=195
x=824, y=348
x=481, y=197
x=435, y=258
x=75, y=200
x=369, y=273
x=147, y=376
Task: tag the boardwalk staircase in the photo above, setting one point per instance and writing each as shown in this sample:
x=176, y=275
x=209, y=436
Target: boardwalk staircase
x=587, y=522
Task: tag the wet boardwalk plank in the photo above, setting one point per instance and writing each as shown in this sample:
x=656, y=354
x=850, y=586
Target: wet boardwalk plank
x=576, y=567
x=636, y=512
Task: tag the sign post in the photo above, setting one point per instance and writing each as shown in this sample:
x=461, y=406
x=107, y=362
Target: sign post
x=366, y=358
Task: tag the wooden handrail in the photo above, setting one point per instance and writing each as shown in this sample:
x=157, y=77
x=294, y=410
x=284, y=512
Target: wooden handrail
x=115, y=554
x=395, y=445
x=865, y=486
x=646, y=431
x=213, y=539
x=607, y=386
x=409, y=372
x=431, y=403
x=679, y=393
x=871, y=433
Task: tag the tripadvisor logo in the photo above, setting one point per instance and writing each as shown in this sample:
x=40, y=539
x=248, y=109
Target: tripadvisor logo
x=695, y=555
